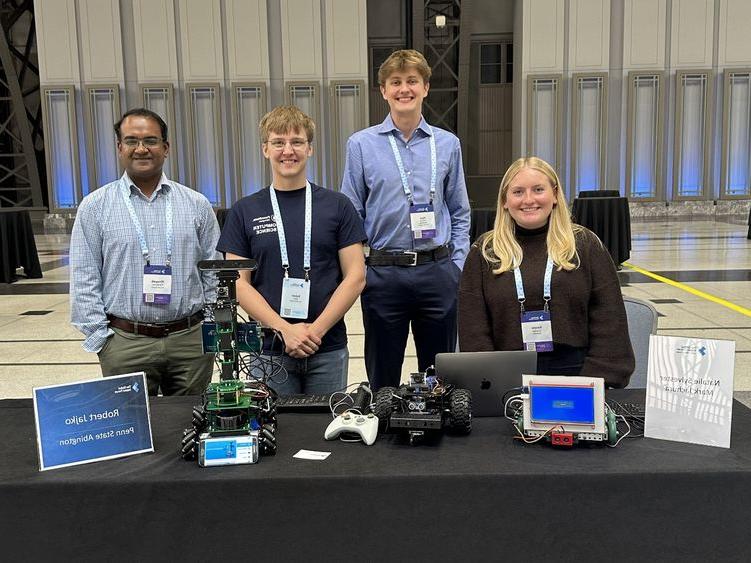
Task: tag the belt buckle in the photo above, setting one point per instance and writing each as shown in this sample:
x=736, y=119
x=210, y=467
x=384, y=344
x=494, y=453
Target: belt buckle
x=414, y=257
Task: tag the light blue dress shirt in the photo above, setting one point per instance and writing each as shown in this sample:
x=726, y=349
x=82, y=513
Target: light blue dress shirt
x=106, y=263
x=372, y=182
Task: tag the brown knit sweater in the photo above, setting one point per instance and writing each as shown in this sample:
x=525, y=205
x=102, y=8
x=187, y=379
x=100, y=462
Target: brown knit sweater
x=586, y=306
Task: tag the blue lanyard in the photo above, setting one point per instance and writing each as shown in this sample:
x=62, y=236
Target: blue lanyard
x=283, y=237
x=403, y=174
x=546, y=285
x=137, y=224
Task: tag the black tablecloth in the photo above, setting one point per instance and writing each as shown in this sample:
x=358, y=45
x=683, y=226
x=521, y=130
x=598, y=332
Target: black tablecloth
x=599, y=193
x=609, y=219
x=17, y=246
x=479, y=497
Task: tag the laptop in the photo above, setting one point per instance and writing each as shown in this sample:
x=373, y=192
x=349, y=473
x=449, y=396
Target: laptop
x=487, y=375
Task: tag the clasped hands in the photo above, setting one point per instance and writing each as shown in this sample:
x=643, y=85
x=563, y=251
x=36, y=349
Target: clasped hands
x=300, y=340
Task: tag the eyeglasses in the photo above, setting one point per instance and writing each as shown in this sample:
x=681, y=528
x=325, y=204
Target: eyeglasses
x=279, y=144
x=148, y=142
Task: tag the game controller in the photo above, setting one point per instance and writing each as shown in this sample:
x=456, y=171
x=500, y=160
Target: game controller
x=364, y=425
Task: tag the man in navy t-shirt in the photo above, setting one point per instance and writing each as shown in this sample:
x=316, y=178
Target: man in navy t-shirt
x=307, y=241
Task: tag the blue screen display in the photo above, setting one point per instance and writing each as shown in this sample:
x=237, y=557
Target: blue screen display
x=562, y=404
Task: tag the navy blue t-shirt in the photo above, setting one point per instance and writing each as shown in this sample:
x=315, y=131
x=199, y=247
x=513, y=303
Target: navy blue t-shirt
x=250, y=231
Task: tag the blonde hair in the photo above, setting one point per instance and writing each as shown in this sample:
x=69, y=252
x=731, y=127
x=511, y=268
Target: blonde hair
x=500, y=247
x=286, y=119
x=405, y=58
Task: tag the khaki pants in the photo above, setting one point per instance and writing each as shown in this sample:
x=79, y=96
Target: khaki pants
x=175, y=364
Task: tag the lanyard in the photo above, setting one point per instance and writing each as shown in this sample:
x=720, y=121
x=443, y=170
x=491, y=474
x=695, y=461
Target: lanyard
x=546, y=287
x=283, y=237
x=403, y=174
x=139, y=229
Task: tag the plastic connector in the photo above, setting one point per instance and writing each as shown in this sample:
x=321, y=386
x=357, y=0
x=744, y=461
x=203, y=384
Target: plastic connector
x=565, y=439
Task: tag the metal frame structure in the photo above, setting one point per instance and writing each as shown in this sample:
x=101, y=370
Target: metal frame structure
x=21, y=127
x=447, y=50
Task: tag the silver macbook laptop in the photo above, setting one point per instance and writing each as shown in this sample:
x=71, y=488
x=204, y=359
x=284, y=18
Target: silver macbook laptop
x=487, y=375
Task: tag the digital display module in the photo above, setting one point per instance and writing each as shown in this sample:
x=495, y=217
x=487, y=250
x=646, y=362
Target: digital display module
x=562, y=404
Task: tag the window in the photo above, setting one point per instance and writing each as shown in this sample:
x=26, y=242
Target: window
x=305, y=95
x=588, y=147
x=496, y=63
x=691, y=135
x=61, y=147
x=159, y=98
x=544, y=114
x=736, y=142
x=347, y=116
x=103, y=109
x=249, y=107
x=204, y=141
x=644, y=138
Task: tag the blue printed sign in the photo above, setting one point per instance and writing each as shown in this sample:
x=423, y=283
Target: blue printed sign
x=92, y=420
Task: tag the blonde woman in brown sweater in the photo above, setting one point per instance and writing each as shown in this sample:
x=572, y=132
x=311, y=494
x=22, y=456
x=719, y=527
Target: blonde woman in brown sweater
x=537, y=266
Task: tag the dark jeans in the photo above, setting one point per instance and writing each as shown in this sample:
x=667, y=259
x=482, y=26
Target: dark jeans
x=397, y=296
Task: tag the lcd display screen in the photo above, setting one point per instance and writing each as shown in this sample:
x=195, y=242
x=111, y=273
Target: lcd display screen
x=560, y=404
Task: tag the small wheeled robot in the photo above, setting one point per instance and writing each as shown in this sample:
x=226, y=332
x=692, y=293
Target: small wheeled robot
x=236, y=420
x=423, y=405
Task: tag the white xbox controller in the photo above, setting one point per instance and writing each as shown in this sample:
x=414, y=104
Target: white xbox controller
x=364, y=425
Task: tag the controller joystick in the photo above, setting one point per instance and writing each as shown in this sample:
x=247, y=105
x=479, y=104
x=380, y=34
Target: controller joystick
x=364, y=425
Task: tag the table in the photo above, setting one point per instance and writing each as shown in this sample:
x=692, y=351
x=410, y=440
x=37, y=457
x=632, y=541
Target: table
x=599, y=193
x=609, y=218
x=478, y=497
x=17, y=246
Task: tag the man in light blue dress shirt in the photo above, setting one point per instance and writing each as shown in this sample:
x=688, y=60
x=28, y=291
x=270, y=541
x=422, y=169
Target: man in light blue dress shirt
x=406, y=179
x=135, y=289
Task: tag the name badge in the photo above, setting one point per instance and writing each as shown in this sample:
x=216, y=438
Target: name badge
x=295, y=298
x=537, y=332
x=157, y=284
x=422, y=218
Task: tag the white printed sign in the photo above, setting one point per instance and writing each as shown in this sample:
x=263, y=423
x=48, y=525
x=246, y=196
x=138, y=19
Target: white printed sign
x=690, y=390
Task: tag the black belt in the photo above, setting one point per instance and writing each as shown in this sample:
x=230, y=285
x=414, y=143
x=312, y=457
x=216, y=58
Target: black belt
x=155, y=330
x=406, y=257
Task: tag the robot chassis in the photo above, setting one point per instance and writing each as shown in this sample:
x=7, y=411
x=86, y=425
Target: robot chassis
x=232, y=407
x=424, y=404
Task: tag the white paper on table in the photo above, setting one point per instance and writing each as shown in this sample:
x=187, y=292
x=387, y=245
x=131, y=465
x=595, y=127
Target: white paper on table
x=310, y=454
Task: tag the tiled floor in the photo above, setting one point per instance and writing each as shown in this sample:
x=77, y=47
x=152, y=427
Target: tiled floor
x=39, y=347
